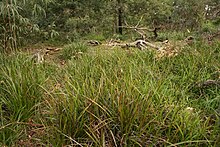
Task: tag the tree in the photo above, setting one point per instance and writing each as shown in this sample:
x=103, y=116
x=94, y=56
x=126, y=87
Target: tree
x=18, y=18
x=120, y=16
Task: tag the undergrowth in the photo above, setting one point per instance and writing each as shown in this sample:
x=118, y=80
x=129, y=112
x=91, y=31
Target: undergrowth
x=111, y=98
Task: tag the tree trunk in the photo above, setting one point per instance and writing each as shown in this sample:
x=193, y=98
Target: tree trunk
x=120, y=15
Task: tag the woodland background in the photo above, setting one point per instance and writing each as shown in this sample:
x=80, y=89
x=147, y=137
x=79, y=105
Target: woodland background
x=25, y=21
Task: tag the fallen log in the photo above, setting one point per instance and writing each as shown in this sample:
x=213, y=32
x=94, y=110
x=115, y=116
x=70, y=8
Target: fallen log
x=145, y=44
x=52, y=50
x=141, y=44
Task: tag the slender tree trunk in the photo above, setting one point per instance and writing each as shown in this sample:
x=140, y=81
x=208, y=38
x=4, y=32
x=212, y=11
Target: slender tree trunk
x=14, y=43
x=120, y=15
x=115, y=24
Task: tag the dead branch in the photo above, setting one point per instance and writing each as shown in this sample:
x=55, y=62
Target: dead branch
x=139, y=21
x=93, y=42
x=38, y=57
x=136, y=28
x=141, y=44
x=144, y=44
x=142, y=30
x=52, y=50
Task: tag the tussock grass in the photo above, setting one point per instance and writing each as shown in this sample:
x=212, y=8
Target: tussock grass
x=73, y=50
x=20, y=93
x=113, y=98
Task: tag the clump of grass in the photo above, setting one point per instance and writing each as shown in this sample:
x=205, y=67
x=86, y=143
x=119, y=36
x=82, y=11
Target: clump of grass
x=118, y=98
x=98, y=37
x=20, y=93
x=123, y=100
x=73, y=50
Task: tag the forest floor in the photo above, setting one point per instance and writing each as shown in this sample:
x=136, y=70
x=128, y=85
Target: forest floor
x=82, y=95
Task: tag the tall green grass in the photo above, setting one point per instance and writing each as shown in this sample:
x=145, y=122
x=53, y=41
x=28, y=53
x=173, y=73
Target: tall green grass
x=20, y=93
x=73, y=50
x=116, y=98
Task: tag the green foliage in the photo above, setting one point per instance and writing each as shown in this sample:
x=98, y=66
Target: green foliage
x=112, y=98
x=175, y=35
x=20, y=94
x=19, y=87
x=73, y=50
x=121, y=96
x=25, y=21
x=18, y=21
x=208, y=27
x=98, y=37
x=217, y=22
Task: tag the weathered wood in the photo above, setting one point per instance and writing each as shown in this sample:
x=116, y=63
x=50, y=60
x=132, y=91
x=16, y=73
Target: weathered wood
x=38, y=57
x=145, y=43
x=141, y=44
x=93, y=42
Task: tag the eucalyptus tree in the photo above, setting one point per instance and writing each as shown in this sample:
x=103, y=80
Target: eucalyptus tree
x=18, y=19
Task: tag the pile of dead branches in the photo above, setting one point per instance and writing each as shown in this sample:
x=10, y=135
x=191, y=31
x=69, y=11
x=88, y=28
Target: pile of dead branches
x=163, y=48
